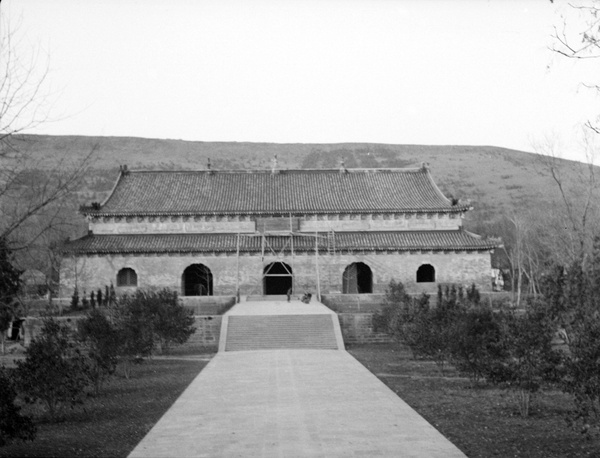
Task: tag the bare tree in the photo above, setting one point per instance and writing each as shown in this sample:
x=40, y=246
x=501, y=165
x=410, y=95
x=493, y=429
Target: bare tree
x=521, y=245
x=35, y=189
x=578, y=37
x=583, y=40
x=32, y=187
x=578, y=213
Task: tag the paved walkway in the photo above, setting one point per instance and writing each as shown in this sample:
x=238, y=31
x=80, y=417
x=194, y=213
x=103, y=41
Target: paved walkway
x=280, y=307
x=291, y=403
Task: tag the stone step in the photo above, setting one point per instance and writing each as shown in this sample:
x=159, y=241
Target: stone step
x=272, y=297
x=265, y=332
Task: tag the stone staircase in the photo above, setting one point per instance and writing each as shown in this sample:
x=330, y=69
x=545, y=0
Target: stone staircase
x=271, y=332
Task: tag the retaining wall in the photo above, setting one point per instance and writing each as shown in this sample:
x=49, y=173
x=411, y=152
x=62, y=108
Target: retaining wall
x=358, y=328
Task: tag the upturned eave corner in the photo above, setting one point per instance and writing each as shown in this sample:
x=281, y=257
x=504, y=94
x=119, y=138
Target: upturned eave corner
x=95, y=208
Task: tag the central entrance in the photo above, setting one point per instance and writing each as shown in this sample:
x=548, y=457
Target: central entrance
x=277, y=278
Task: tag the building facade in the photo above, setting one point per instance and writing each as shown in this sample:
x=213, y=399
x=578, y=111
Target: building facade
x=257, y=232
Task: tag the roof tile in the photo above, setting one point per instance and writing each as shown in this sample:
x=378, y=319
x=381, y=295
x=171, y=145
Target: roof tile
x=263, y=192
x=198, y=243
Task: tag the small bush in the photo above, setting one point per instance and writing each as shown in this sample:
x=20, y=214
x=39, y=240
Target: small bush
x=75, y=299
x=528, y=360
x=395, y=310
x=102, y=341
x=55, y=371
x=477, y=343
x=13, y=425
x=149, y=320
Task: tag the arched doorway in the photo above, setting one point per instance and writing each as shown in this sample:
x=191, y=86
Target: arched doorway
x=277, y=278
x=357, y=279
x=426, y=274
x=197, y=280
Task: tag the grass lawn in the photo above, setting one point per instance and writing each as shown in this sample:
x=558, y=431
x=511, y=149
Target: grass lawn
x=482, y=421
x=113, y=423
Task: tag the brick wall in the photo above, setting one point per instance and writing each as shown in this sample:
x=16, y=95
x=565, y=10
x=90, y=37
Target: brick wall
x=358, y=328
x=248, y=224
x=208, y=330
x=353, y=303
x=165, y=271
x=208, y=305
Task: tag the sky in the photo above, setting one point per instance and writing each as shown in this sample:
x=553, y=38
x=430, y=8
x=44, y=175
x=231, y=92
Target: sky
x=461, y=72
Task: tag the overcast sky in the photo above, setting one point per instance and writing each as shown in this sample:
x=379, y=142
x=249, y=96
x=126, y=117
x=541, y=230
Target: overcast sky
x=471, y=72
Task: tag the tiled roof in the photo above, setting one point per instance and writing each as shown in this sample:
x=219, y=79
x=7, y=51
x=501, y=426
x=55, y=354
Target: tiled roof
x=263, y=192
x=198, y=243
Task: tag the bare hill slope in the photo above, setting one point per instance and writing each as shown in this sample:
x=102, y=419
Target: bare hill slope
x=494, y=179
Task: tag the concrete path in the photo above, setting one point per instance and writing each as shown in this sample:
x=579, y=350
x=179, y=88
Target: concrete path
x=291, y=403
x=279, y=307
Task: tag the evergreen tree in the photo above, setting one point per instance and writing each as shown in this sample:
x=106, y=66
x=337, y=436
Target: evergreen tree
x=10, y=283
x=55, y=371
x=99, y=297
x=13, y=425
x=75, y=299
x=102, y=341
x=147, y=320
x=527, y=359
x=581, y=321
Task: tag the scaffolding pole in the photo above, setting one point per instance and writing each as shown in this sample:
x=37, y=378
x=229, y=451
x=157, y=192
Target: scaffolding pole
x=292, y=249
x=317, y=266
x=237, y=278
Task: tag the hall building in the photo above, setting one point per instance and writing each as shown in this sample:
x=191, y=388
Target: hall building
x=262, y=232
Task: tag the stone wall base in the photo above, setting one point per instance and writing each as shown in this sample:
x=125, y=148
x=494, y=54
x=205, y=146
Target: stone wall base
x=358, y=328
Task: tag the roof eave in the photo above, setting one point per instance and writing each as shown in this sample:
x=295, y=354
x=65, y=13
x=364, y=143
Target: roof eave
x=86, y=211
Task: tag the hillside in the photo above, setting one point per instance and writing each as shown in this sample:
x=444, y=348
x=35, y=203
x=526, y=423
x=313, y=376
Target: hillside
x=494, y=179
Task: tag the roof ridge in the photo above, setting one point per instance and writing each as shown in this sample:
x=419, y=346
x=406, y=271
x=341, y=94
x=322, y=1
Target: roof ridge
x=283, y=171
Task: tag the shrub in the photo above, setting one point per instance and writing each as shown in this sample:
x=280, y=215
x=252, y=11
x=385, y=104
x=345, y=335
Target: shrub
x=10, y=282
x=173, y=323
x=473, y=295
x=75, y=299
x=436, y=327
x=55, y=372
x=151, y=319
x=434, y=332
x=395, y=311
x=582, y=374
x=528, y=360
x=573, y=299
x=477, y=343
x=13, y=425
x=84, y=301
x=101, y=340
x=135, y=328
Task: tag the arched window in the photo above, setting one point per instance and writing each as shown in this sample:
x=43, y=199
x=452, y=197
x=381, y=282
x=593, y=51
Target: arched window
x=426, y=274
x=197, y=280
x=127, y=277
x=357, y=279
